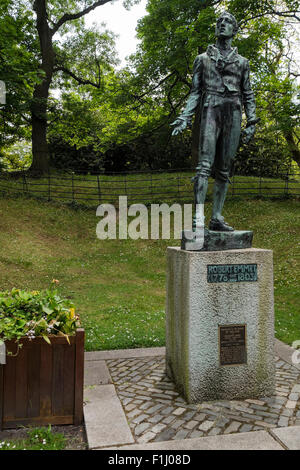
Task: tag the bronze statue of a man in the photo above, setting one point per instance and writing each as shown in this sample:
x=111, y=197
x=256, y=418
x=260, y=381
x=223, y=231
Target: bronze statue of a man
x=221, y=86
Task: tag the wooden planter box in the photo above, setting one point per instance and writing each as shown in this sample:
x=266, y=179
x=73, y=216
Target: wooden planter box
x=43, y=384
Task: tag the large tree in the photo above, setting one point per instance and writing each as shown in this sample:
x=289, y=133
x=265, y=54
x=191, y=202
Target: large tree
x=52, y=17
x=40, y=57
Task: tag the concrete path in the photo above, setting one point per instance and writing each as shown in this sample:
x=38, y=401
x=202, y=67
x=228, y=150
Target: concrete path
x=131, y=405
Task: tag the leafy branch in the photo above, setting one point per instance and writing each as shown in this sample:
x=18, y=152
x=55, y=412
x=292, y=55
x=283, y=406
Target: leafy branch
x=75, y=16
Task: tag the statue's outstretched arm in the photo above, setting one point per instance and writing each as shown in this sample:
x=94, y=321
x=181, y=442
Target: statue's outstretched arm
x=185, y=117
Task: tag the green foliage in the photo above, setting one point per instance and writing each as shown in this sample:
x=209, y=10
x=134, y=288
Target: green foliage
x=37, y=439
x=90, y=55
x=77, y=121
x=171, y=35
x=119, y=119
x=144, y=151
x=81, y=160
x=266, y=155
x=174, y=32
x=82, y=56
x=126, y=122
x=18, y=69
x=17, y=156
x=155, y=151
x=115, y=118
x=35, y=313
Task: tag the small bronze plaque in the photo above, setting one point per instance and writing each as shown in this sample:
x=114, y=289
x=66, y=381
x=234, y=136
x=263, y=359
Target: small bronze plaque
x=232, y=342
x=232, y=272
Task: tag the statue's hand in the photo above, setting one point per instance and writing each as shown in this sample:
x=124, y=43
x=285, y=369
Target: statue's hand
x=248, y=134
x=180, y=125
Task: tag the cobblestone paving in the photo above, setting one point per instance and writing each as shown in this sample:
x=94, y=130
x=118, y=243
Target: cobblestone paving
x=156, y=412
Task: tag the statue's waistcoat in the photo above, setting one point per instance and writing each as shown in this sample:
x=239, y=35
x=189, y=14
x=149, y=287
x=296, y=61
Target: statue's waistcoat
x=218, y=80
x=221, y=74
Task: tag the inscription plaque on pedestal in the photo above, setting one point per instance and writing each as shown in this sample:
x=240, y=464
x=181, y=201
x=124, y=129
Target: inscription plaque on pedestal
x=232, y=345
x=232, y=272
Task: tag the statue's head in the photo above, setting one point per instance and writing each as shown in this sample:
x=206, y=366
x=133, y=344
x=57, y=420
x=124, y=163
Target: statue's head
x=227, y=25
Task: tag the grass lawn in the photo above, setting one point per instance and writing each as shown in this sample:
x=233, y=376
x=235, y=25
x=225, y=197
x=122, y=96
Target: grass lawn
x=36, y=439
x=118, y=286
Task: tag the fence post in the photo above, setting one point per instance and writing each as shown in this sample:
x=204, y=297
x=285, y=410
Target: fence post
x=125, y=184
x=25, y=183
x=260, y=181
x=49, y=187
x=286, y=187
x=178, y=186
x=99, y=188
x=151, y=188
x=23, y=178
x=73, y=192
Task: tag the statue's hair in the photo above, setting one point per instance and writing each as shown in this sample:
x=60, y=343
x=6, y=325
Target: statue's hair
x=233, y=19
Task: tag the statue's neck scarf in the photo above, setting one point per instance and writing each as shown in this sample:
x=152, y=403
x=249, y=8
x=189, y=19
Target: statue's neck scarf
x=221, y=61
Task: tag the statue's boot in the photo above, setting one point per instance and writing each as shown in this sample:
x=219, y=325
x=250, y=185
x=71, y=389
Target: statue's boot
x=217, y=221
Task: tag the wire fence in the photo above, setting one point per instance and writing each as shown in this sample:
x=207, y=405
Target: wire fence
x=142, y=187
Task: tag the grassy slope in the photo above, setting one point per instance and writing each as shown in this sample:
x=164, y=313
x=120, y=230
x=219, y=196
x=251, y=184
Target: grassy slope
x=118, y=286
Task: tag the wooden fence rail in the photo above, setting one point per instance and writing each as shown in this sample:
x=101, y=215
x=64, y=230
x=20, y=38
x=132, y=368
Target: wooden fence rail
x=142, y=188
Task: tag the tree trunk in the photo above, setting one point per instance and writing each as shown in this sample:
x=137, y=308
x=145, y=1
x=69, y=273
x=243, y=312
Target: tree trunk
x=40, y=154
x=293, y=147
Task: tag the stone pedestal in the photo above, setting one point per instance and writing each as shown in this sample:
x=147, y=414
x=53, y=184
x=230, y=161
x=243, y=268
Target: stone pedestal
x=220, y=323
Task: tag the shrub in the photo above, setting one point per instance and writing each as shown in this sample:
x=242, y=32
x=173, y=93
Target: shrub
x=35, y=314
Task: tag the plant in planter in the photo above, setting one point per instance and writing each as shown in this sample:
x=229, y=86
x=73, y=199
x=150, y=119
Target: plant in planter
x=42, y=380
x=32, y=314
